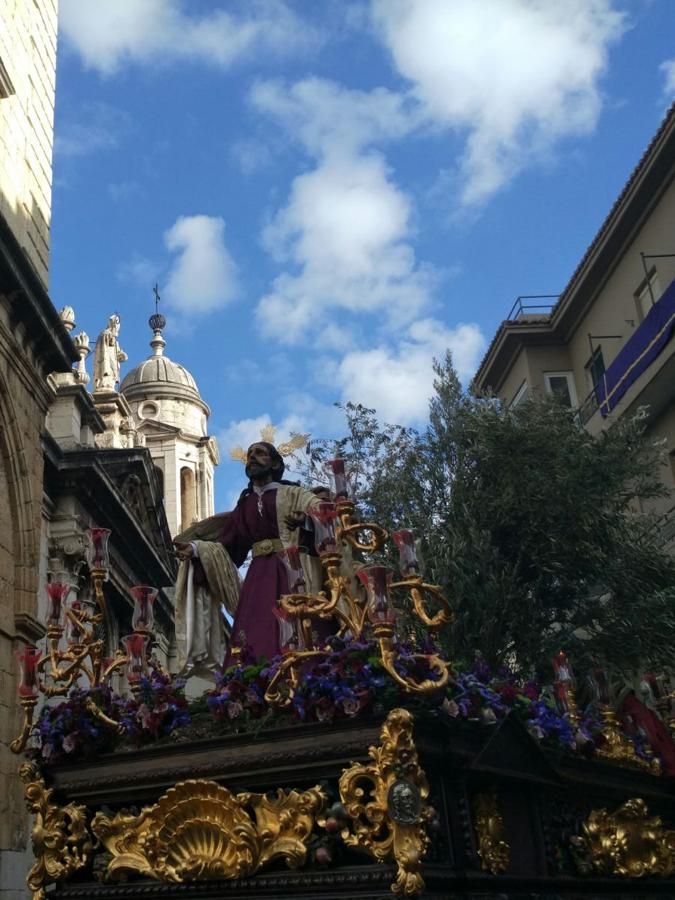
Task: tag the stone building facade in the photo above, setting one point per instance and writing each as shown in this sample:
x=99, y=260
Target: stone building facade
x=68, y=458
x=607, y=345
x=27, y=79
x=33, y=343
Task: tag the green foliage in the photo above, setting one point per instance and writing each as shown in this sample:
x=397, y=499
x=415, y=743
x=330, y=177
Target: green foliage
x=531, y=526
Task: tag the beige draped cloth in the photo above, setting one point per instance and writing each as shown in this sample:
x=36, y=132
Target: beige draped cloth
x=200, y=627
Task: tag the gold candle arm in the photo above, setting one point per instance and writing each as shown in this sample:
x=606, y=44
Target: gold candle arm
x=418, y=589
x=28, y=704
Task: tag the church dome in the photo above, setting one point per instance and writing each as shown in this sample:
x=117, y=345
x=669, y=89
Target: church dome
x=162, y=372
x=160, y=377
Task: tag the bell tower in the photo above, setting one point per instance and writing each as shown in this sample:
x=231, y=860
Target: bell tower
x=168, y=410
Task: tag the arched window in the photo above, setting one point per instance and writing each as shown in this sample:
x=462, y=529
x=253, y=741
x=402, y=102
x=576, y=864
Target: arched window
x=188, y=497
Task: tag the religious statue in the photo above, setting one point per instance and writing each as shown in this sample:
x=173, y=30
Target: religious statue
x=264, y=522
x=107, y=357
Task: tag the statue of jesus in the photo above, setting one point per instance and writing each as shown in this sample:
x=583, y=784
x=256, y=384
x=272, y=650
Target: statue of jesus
x=264, y=521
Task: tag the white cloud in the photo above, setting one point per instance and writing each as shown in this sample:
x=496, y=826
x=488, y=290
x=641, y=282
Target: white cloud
x=204, y=276
x=398, y=382
x=516, y=75
x=99, y=127
x=138, y=270
x=251, y=155
x=109, y=34
x=668, y=69
x=344, y=233
x=334, y=121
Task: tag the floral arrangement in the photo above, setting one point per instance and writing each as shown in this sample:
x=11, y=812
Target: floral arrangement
x=347, y=682
x=71, y=729
x=158, y=708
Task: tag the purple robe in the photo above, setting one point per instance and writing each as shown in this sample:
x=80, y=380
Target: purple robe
x=255, y=624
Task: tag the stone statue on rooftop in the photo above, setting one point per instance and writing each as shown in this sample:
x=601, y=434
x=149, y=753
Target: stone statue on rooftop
x=107, y=357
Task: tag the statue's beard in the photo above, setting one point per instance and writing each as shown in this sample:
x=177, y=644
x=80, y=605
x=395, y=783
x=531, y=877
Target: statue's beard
x=259, y=472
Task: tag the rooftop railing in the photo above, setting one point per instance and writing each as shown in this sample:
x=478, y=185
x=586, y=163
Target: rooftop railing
x=521, y=310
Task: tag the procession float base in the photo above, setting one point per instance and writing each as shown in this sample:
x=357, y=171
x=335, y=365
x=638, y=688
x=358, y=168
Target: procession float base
x=409, y=805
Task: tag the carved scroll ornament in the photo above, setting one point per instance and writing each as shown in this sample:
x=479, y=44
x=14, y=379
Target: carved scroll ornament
x=386, y=801
x=61, y=842
x=628, y=842
x=493, y=848
x=198, y=830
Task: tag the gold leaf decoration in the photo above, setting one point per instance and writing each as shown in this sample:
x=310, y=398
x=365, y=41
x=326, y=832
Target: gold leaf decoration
x=628, y=842
x=267, y=432
x=387, y=803
x=295, y=442
x=199, y=830
x=61, y=842
x=493, y=848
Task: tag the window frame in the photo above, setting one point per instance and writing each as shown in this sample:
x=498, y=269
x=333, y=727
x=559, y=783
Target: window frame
x=651, y=285
x=568, y=375
x=520, y=396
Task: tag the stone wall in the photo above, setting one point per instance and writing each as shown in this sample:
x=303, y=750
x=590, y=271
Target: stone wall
x=27, y=78
x=24, y=396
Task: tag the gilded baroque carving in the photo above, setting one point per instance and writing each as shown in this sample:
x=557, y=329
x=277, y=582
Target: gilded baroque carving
x=628, y=842
x=199, y=830
x=61, y=842
x=619, y=749
x=493, y=848
x=386, y=801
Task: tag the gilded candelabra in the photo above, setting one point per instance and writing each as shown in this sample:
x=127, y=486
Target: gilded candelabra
x=616, y=747
x=358, y=612
x=54, y=672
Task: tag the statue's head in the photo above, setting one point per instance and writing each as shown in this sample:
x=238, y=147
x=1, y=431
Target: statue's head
x=264, y=460
x=114, y=323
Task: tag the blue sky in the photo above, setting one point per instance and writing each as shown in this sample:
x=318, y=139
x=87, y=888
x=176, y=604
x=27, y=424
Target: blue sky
x=331, y=193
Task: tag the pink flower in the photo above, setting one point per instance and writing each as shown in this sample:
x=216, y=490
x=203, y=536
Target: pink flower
x=69, y=743
x=145, y=715
x=234, y=709
x=450, y=707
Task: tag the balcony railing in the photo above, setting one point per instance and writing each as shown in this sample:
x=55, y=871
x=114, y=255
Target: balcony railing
x=521, y=310
x=588, y=408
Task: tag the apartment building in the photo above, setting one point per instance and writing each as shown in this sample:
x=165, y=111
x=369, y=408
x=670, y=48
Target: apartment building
x=606, y=346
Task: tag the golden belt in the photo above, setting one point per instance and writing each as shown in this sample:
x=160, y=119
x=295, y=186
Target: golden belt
x=267, y=547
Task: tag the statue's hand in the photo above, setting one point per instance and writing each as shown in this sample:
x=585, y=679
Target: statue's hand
x=295, y=519
x=183, y=551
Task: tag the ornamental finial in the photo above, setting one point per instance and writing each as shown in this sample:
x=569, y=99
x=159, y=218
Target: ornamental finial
x=157, y=322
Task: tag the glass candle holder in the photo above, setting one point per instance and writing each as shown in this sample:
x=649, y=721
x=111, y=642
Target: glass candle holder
x=377, y=580
x=144, y=597
x=136, y=646
x=56, y=596
x=28, y=659
x=290, y=557
x=324, y=516
x=340, y=478
x=562, y=668
x=97, y=548
x=656, y=685
x=409, y=563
